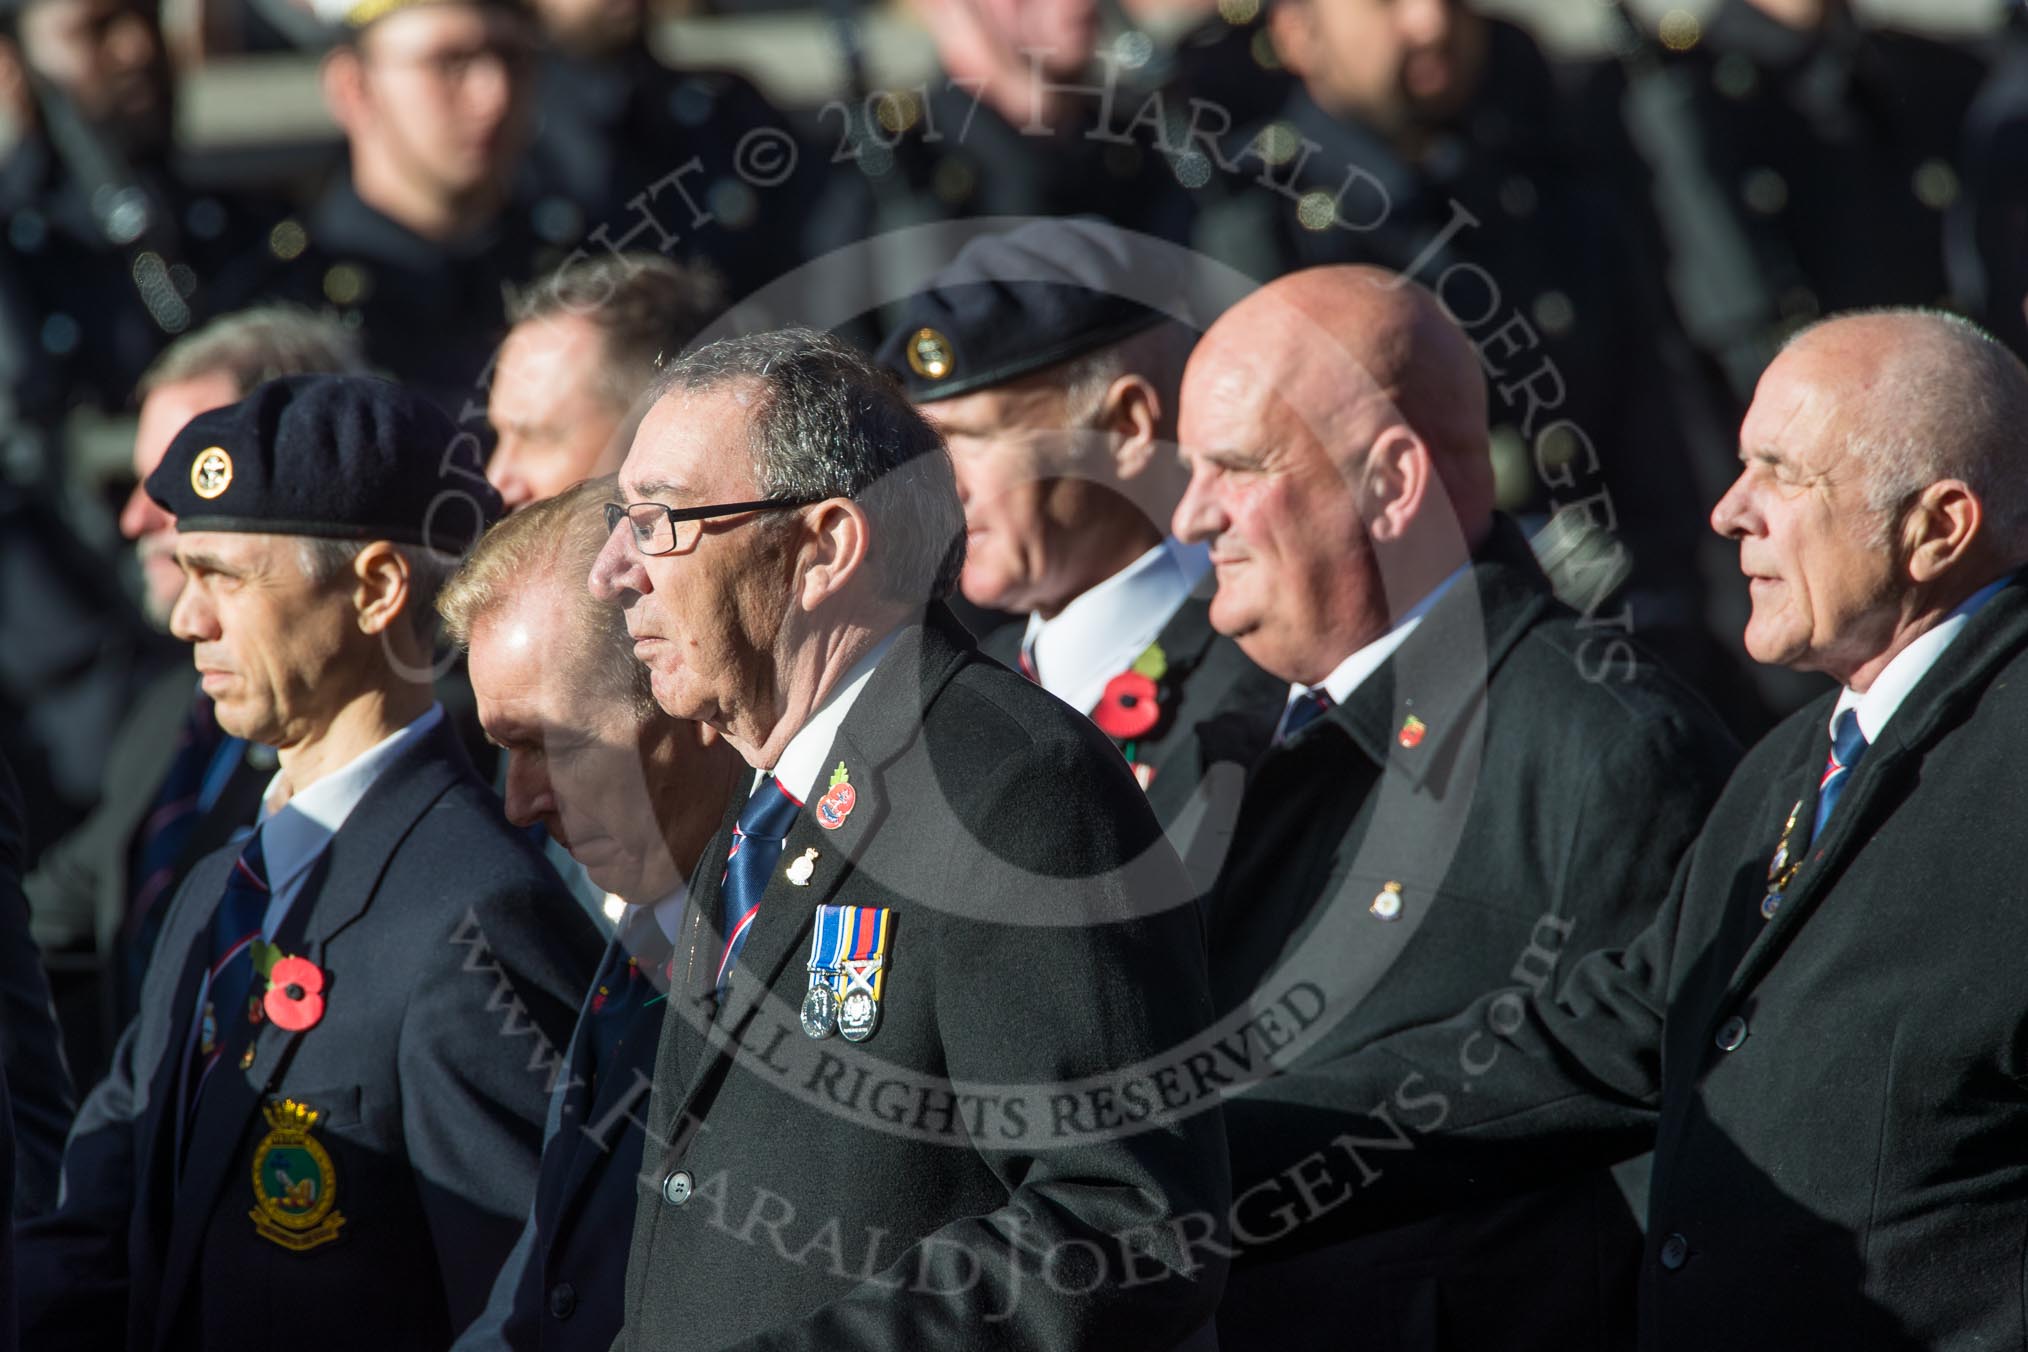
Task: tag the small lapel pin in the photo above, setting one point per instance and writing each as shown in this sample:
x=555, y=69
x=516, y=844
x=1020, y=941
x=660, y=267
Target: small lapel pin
x=1412, y=732
x=836, y=804
x=802, y=867
x=1387, y=904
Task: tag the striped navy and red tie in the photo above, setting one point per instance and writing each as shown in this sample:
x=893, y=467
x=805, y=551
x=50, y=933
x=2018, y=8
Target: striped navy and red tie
x=756, y=846
x=229, y=980
x=1848, y=744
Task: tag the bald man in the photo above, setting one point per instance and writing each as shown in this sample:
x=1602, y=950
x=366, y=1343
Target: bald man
x=1465, y=784
x=1822, y=1030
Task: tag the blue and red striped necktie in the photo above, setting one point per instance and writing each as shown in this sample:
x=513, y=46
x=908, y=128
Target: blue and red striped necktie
x=1848, y=744
x=227, y=999
x=756, y=846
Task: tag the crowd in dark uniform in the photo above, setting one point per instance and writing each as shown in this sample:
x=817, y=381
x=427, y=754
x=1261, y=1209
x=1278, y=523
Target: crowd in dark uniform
x=1294, y=676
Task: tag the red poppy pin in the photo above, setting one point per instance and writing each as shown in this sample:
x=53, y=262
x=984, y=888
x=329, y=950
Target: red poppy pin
x=1412, y=731
x=1129, y=708
x=295, y=998
x=836, y=804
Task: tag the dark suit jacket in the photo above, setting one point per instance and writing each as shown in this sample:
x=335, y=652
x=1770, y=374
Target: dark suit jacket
x=1836, y=1095
x=568, y=1271
x=1535, y=806
x=948, y=1180
x=453, y=961
x=1219, y=712
x=31, y=1054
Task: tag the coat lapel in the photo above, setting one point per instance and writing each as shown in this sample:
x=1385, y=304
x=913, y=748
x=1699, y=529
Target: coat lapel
x=337, y=892
x=1939, y=701
x=882, y=724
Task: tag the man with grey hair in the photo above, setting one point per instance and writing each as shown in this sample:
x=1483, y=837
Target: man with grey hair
x=585, y=344
x=633, y=794
x=1057, y=390
x=176, y=784
x=936, y=860
x=1821, y=1031
x=338, y=1061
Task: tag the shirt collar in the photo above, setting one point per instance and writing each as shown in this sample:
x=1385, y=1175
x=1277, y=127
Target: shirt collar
x=802, y=760
x=292, y=838
x=1100, y=633
x=1351, y=673
x=1909, y=666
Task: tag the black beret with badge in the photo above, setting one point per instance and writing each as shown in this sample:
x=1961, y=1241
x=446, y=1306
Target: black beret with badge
x=340, y=457
x=1018, y=302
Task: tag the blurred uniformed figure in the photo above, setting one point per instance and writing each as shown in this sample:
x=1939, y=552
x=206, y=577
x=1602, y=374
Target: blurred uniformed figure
x=1020, y=117
x=1055, y=389
x=587, y=339
x=1465, y=780
x=332, y=1098
x=176, y=784
x=614, y=123
x=108, y=253
x=1802, y=161
x=634, y=794
x=420, y=237
x=1986, y=240
x=1431, y=140
x=32, y=1070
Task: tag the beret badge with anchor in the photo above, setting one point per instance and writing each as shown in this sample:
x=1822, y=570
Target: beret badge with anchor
x=211, y=472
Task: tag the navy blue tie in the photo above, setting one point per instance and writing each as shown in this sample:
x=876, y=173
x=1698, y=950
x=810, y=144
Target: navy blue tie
x=1304, y=710
x=756, y=846
x=1848, y=744
x=234, y=927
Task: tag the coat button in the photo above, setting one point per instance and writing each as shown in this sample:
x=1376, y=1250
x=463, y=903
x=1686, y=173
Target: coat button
x=677, y=1187
x=1731, y=1034
x=563, y=1300
x=1675, y=1252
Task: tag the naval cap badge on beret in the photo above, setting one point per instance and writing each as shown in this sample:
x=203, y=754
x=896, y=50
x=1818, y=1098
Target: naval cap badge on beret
x=342, y=457
x=1016, y=302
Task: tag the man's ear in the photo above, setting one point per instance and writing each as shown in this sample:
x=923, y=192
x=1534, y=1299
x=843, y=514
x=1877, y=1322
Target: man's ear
x=1944, y=524
x=836, y=539
x=381, y=594
x=342, y=76
x=1292, y=29
x=1393, y=482
x=1131, y=414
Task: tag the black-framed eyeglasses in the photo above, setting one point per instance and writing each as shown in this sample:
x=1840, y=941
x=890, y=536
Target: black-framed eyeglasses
x=656, y=529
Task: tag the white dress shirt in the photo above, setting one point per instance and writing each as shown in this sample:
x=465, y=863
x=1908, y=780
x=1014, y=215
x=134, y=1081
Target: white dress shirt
x=1098, y=635
x=295, y=837
x=1909, y=666
x=1351, y=673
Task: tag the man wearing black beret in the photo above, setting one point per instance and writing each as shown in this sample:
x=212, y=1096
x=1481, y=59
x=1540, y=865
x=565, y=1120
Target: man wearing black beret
x=1057, y=393
x=336, y=1083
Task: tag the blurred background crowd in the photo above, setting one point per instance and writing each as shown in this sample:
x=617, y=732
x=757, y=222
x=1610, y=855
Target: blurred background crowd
x=1627, y=205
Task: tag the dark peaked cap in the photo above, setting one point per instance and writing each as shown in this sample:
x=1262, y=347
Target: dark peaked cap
x=1015, y=303
x=345, y=457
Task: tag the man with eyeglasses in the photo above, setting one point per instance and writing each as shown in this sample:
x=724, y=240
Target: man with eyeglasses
x=419, y=240
x=935, y=932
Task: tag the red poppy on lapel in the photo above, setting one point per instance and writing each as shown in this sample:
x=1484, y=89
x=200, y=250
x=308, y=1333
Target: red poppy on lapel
x=295, y=998
x=1130, y=707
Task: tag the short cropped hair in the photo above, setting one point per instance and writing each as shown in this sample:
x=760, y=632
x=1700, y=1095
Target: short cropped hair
x=1951, y=405
x=256, y=345
x=646, y=309
x=554, y=542
x=828, y=421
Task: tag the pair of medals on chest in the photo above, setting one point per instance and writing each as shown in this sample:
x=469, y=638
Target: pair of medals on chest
x=848, y=971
